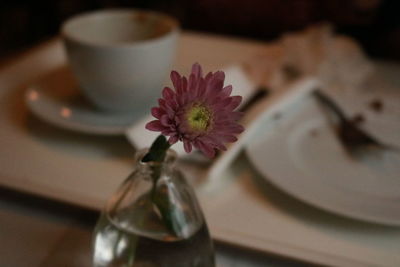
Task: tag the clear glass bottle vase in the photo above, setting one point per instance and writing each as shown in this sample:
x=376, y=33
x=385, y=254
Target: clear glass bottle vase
x=153, y=219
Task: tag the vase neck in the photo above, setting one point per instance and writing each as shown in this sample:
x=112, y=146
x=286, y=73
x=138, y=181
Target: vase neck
x=166, y=165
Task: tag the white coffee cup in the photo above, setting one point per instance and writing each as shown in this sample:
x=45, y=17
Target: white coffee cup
x=121, y=57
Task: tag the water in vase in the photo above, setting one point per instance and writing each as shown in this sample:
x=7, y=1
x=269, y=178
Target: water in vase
x=116, y=247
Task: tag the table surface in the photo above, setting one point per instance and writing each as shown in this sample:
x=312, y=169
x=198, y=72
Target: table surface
x=37, y=231
x=75, y=164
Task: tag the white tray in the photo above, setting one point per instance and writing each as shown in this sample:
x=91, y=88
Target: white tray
x=81, y=169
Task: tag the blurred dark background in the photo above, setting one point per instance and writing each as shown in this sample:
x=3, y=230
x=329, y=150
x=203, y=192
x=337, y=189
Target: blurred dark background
x=374, y=23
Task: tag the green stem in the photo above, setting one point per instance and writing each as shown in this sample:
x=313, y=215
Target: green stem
x=156, y=173
x=157, y=153
x=158, y=150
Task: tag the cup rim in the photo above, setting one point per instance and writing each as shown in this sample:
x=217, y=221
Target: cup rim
x=65, y=34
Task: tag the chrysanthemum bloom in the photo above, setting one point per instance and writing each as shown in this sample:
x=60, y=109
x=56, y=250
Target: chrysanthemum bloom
x=200, y=112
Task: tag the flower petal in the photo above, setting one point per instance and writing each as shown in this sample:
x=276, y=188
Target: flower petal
x=228, y=138
x=196, y=70
x=187, y=146
x=226, y=91
x=173, y=139
x=218, y=80
x=184, y=84
x=165, y=121
x=215, y=141
x=231, y=128
x=154, y=126
x=207, y=150
x=157, y=112
x=175, y=78
x=235, y=102
x=168, y=93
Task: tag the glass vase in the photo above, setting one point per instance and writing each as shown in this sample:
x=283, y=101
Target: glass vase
x=154, y=219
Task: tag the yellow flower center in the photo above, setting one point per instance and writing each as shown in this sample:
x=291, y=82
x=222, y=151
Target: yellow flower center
x=199, y=118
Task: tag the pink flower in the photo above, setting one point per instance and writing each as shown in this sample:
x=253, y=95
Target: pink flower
x=199, y=112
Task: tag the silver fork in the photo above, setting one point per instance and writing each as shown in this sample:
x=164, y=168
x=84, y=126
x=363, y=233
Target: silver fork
x=356, y=141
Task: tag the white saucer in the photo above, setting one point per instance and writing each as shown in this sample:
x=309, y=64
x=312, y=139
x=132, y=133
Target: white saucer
x=300, y=154
x=57, y=100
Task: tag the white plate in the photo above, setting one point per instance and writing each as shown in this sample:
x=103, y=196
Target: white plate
x=300, y=154
x=57, y=100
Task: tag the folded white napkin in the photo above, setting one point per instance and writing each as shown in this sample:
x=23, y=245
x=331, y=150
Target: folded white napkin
x=234, y=75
